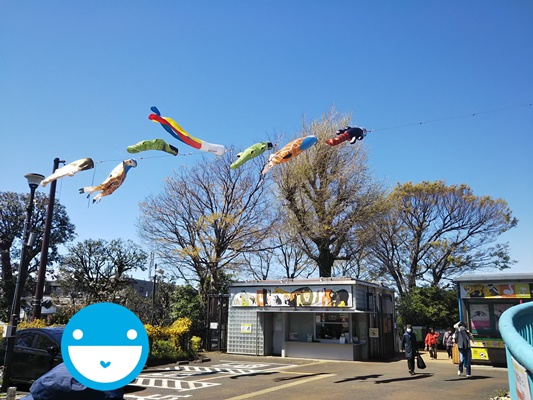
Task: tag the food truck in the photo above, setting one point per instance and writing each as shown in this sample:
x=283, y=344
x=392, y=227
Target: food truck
x=328, y=318
x=482, y=300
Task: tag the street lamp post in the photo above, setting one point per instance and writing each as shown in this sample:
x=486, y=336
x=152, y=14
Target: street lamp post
x=37, y=300
x=160, y=272
x=33, y=182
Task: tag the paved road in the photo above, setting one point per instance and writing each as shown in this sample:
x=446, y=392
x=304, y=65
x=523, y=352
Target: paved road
x=236, y=377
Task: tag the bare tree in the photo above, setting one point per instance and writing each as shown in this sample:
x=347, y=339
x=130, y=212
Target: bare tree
x=357, y=264
x=434, y=232
x=280, y=258
x=327, y=193
x=258, y=265
x=206, y=217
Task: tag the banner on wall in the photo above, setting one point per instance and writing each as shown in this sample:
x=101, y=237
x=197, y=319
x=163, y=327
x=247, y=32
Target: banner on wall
x=288, y=296
x=488, y=343
x=479, y=316
x=497, y=290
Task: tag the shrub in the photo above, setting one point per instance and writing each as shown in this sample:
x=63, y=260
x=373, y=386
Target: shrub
x=196, y=343
x=179, y=332
x=162, y=351
x=36, y=323
x=169, y=344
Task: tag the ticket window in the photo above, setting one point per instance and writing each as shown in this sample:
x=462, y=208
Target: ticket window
x=332, y=326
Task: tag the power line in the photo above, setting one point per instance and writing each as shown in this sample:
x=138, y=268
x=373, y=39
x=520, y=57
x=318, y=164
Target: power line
x=451, y=117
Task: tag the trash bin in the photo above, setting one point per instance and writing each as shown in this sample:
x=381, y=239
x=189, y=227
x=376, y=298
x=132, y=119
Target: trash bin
x=455, y=354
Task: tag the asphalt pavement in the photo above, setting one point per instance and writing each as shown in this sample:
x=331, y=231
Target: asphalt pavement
x=239, y=377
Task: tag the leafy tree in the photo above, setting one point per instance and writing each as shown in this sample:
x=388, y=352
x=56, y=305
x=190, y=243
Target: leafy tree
x=433, y=232
x=13, y=210
x=428, y=307
x=205, y=218
x=100, y=269
x=327, y=193
x=187, y=303
x=154, y=309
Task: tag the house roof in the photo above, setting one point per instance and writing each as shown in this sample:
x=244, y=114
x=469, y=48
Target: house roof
x=501, y=277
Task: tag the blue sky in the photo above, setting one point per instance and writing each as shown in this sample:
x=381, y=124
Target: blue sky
x=77, y=79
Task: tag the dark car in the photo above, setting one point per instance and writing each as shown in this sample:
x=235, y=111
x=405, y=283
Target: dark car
x=37, y=351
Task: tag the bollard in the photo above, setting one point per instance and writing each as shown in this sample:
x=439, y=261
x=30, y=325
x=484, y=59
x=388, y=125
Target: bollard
x=11, y=393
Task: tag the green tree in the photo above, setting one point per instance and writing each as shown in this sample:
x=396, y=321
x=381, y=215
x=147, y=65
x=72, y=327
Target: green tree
x=327, y=193
x=187, y=303
x=100, y=269
x=433, y=232
x=13, y=208
x=428, y=306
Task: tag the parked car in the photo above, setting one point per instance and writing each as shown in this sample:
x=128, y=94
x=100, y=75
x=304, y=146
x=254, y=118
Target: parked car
x=37, y=351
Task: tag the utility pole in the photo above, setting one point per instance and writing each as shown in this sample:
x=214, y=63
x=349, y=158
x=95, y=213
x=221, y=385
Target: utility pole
x=38, y=299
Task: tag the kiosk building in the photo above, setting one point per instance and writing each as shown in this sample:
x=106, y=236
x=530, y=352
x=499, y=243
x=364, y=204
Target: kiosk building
x=328, y=318
x=482, y=300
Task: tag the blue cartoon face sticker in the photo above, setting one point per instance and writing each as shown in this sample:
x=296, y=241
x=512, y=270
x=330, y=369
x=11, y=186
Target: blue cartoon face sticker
x=104, y=346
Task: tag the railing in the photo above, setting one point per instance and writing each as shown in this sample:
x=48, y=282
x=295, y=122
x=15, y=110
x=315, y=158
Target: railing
x=516, y=328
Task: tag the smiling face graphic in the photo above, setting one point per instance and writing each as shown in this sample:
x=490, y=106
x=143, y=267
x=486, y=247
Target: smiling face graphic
x=104, y=346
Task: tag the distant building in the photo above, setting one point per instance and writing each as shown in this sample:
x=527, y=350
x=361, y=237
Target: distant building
x=54, y=295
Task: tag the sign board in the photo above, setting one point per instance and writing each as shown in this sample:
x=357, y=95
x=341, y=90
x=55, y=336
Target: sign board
x=373, y=332
x=480, y=354
x=521, y=381
x=288, y=296
x=511, y=290
x=246, y=328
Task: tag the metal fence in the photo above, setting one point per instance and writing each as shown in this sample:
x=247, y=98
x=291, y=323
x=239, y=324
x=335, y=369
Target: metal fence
x=516, y=328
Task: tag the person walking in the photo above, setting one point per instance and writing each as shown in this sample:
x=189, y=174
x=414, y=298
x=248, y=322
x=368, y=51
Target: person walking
x=447, y=340
x=431, y=343
x=410, y=345
x=463, y=337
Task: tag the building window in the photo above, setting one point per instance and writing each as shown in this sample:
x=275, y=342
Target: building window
x=141, y=289
x=332, y=326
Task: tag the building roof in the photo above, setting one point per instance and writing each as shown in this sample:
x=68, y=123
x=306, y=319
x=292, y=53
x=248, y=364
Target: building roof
x=503, y=277
x=311, y=282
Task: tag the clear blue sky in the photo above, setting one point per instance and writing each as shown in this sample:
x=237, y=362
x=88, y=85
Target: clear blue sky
x=77, y=79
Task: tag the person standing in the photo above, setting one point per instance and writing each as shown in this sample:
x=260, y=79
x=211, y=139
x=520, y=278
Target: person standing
x=447, y=340
x=410, y=345
x=462, y=338
x=431, y=343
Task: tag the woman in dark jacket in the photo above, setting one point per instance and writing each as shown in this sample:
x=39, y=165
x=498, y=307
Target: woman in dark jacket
x=410, y=345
